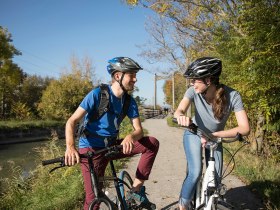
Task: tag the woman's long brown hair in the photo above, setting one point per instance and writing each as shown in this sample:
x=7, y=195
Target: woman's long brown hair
x=220, y=100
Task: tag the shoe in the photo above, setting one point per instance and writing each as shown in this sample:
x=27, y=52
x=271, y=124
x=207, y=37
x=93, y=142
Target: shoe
x=139, y=197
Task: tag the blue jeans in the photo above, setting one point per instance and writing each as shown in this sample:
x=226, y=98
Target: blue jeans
x=193, y=151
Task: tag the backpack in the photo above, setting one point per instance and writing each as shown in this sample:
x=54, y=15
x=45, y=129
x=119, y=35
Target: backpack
x=103, y=107
x=104, y=104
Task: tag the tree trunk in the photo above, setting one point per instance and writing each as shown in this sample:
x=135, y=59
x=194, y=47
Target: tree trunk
x=259, y=134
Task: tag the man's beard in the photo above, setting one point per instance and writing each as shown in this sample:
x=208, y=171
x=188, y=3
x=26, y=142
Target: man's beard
x=129, y=87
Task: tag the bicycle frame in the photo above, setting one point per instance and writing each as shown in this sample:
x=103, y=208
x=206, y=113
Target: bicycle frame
x=206, y=191
x=95, y=179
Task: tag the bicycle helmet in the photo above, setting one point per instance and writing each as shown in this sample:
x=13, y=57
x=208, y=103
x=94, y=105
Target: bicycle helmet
x=123, y=64
x=204, y=67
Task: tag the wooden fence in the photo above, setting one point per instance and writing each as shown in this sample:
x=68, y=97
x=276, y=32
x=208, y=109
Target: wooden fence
x=149, y=113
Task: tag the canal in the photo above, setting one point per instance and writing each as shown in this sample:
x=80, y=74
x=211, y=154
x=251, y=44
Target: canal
x=23, y=155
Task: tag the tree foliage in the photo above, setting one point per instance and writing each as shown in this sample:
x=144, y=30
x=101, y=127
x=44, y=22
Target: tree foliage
x=7, y=50
x=179, y=89
x=63, y=96
x=243, y=33
x=11, y=77
x=31, y=92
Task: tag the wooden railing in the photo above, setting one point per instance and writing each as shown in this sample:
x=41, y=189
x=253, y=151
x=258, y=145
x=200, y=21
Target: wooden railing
x=149, y=113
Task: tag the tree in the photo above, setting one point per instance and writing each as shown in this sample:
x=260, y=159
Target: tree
x=254, y=66
x=7, y=50
x=63, y=96
x=243, y=33
x=11, y=75
x=179, y=86
x=31, y=92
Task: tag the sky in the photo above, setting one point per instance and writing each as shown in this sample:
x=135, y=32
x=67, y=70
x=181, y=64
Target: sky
x=49, y=32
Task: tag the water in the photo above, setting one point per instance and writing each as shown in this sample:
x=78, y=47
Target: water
x=23, y=155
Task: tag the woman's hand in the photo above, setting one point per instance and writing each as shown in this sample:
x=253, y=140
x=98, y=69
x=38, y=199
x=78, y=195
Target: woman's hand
x=183, y=120
x=203, y=141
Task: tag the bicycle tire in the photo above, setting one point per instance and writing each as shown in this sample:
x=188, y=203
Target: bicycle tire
x=220, y=206
x=104, y=204
x=125, y=178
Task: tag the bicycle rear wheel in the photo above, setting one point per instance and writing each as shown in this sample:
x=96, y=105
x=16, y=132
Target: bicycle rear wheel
x=125, y=185
x=103, y=203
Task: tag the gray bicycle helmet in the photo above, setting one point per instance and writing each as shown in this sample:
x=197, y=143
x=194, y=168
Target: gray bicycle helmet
x=204, y=67
x=123, y=64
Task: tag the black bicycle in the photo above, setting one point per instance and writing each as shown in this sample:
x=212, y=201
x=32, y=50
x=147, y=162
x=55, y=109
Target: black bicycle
x=122, y=184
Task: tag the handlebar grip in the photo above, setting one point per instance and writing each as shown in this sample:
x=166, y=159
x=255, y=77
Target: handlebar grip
x=174, y=120
x=239, y=137
x=193, y=127
x=52, y=161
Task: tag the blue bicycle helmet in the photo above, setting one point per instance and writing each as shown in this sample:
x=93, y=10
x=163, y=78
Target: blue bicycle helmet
x=204, y=67
x=123, y=64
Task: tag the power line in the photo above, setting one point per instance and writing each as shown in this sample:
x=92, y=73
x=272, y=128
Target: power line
x=40, y=68
x=40, y=58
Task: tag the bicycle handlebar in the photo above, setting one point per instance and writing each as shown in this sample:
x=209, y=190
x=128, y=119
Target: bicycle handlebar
x=193, y=128
x=52, y=161
x=109, y=151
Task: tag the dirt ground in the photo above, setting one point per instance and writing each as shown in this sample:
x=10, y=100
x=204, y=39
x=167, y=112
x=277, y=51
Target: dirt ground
x=169, y=170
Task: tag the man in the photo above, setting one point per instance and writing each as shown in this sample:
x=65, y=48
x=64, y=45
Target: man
x=103, y=131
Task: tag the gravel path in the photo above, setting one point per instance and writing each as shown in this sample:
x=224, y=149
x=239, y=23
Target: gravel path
x=168, y=172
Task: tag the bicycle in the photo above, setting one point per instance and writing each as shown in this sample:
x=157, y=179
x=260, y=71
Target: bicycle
x=209, y=193
x=122, y=184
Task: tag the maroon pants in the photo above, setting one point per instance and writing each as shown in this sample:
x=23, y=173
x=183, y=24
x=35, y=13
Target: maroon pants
x=147, y=146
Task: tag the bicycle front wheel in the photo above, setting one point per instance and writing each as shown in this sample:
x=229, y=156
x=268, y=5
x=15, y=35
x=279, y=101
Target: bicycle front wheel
x=125, y=184
x=221, y=206
x=103, y=203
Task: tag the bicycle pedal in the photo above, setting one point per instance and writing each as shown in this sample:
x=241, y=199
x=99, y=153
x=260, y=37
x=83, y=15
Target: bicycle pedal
x=222, y=189
x=149, y=206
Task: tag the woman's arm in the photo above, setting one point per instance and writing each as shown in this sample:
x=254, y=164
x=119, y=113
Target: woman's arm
x=243, y=126
x=181, y=110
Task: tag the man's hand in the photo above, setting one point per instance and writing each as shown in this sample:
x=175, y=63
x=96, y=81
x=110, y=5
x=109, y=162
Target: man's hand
x=128, y=144
x=71, y=157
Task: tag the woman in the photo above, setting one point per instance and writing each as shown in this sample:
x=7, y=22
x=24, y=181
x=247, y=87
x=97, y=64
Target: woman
x=213, y=104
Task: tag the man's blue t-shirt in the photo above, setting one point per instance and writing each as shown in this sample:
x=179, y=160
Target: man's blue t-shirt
x=108, y=124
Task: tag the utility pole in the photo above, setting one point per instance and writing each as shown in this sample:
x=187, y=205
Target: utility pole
x=173, y=91
x=155, y=92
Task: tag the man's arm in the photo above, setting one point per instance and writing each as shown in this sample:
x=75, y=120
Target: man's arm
x=71, y=153
x=137, y=134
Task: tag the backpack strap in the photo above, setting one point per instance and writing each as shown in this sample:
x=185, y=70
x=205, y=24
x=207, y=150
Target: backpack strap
x=104, y=104
x=125, y=107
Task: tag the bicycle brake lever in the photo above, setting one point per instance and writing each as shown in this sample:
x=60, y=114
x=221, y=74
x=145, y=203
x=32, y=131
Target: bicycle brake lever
x=60, y=166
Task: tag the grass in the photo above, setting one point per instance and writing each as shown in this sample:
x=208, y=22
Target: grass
x=62, y=189
x=261, y=175
x=11, y=125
